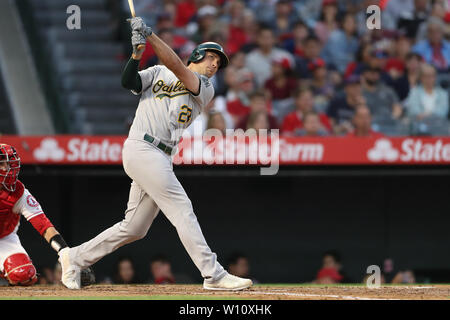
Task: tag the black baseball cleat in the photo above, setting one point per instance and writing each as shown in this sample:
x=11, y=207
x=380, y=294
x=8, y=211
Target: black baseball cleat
x=87, y=277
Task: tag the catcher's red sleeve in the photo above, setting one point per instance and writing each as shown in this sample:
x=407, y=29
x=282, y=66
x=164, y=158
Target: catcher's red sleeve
x=41, y=223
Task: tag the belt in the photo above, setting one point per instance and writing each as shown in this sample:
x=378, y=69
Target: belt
x=158, y=144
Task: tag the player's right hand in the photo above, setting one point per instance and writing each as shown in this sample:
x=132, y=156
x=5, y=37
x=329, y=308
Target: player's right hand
x=138, y=42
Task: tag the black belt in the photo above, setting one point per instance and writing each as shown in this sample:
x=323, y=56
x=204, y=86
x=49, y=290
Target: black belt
x=160, y=145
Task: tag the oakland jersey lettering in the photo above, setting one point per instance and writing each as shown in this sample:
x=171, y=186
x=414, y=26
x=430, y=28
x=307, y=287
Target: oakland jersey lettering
x=166, y=107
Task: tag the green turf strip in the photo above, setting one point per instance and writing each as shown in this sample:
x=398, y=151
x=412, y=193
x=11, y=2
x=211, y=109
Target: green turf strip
x=158, y=297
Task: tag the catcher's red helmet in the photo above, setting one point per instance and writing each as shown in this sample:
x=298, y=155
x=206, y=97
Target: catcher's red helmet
x=9, y=167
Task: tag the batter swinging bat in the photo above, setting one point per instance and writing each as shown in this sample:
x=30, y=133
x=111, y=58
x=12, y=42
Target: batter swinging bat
x=133, y=14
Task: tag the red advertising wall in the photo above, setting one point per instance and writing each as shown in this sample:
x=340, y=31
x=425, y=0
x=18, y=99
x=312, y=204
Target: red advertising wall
x=72, y=149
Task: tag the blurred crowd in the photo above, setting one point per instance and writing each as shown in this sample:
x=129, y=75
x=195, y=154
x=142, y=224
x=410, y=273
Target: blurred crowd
x=313, y=67
x=331, y=271
x=159, y=268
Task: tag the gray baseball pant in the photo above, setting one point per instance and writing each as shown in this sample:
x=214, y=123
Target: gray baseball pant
x=154, y=187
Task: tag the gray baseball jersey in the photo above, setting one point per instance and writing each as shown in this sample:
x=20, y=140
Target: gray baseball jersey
x=166, y=107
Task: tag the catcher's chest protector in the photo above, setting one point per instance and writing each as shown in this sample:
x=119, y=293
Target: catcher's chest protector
x=9, y=219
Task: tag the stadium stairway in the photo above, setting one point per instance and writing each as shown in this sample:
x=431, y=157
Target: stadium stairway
x=6, y=120
x=89, y=64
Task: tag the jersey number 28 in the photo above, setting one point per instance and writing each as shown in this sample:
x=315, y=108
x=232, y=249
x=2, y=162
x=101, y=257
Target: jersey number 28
x=185, y=116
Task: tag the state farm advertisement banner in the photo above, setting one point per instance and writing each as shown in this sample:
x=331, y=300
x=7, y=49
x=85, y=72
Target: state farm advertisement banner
x=96, y=150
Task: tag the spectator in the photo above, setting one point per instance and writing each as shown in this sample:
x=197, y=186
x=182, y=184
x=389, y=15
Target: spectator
x=251, y=29
x=327, y=22
x=258, y=103
x=206, y=20
x=311, y=126
x=281, y=87
x=406, y=276
x=294, y=44
x=321, y=84
x=240, y=85
x=259, y=60
x=304, y=103
x=264, y=10
x=216, y=121
x=237, y=62
x=331, y=271
x=284, y=18
x=239, y=265
x=378, y=60
x=160, y=270
x=312, y=50
x=437, y=13
x=237, y=35
x=410, y=20
x=342, y=44
x=341, y=109
x=309, y=11
x=402, y=80
x=428, y=98
x=393, y=10
x=125, y=271
x=390, y=275
x=382, y=100
x=363, y=57
x=185, y=10
x=362, y=123
x=258, y=121
x=435, y=50
x=388, y=272
x=401, y=47
x=394, y=65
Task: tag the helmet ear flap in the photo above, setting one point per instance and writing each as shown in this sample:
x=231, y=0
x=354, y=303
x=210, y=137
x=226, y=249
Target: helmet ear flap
x=196, y=55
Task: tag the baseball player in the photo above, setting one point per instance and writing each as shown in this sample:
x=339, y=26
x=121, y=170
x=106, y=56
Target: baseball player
x=16, y=201
x=172, y=95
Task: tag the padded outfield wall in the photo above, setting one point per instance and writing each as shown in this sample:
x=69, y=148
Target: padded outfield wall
x=283, y=223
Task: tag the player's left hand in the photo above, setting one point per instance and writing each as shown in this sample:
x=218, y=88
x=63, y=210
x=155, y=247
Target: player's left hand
x=138, y=24
x=137, y=40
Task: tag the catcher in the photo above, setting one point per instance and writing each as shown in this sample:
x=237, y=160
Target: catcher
x=15, y=200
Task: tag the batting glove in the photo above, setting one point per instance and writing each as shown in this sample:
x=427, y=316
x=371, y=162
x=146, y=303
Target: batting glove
x=138, y=24
x=137, y=39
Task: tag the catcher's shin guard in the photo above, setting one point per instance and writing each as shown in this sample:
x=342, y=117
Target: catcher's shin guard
x=19, y=270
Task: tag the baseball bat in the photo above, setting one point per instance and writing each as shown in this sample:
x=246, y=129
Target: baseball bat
x=133, y=14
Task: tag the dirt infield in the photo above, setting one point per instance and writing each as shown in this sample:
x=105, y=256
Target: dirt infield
x=260, y=292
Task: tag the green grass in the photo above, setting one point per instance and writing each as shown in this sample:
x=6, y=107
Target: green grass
x=157, y=297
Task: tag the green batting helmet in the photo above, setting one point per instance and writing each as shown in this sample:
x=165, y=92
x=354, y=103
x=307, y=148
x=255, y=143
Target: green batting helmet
x=199, y=53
